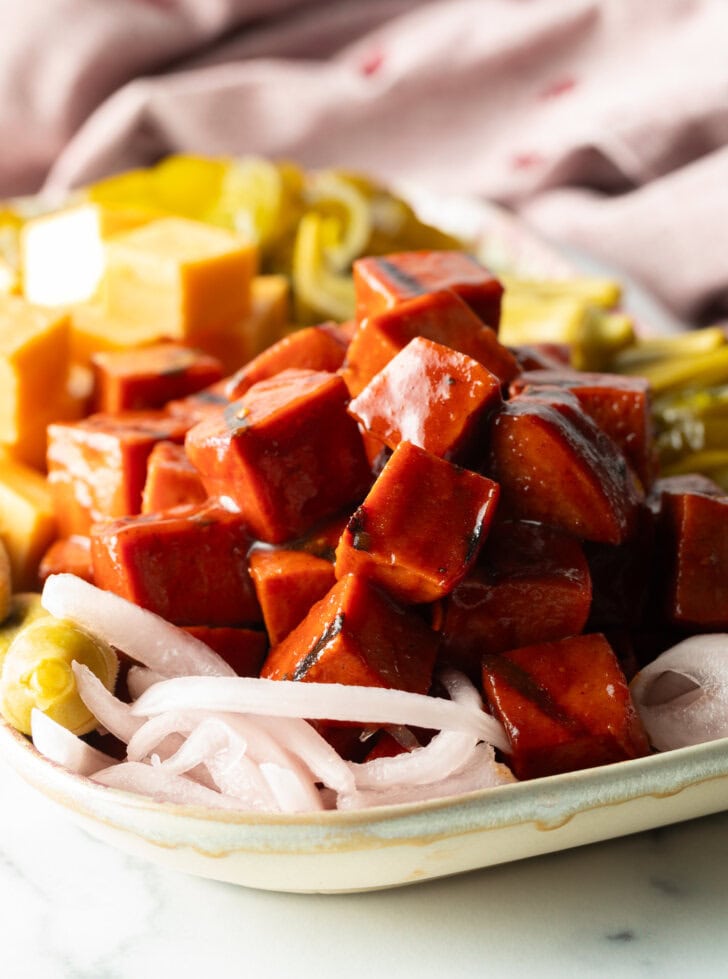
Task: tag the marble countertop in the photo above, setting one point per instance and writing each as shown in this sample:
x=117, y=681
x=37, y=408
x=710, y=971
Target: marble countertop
x=72, y=908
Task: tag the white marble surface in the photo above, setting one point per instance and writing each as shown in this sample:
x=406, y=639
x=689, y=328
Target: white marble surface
x=648, y=905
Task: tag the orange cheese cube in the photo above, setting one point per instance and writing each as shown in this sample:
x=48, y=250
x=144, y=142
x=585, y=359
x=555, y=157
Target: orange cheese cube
x=182, y=277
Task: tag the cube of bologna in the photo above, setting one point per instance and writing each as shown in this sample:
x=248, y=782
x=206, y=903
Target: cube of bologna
x=381, y=283
x=439, y=316
x=34, y=365
x=68, y=555
x=202, y=404
x=188, y=565
x=693, y=540
x=97, y=467
x=287, y=453
x=531, y=584
x=27, y=520
x=184, y=277
x=619, y=405
x=287, y=584
x=315, y=348
x=565, y=705
x=431, y=396
x=357, y=635
x=555, y=466
x=148, y=378
x=420, y=528
x=171, y=480
x=243, y=649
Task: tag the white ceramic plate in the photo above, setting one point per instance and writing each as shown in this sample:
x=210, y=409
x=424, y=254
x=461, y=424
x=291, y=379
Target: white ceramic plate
x=387, y=847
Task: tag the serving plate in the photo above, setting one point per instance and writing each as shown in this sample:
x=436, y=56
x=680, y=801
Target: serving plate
x=355, y=851
x=392, y=846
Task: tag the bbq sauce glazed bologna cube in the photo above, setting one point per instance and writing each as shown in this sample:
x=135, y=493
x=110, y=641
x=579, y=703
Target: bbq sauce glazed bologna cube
x=530, y=584
x=148, y=378
x=439, y=316
x=357, y=635
x=431, y=396
x=287, y=453
x=692, y=542
x=556, y=466
x=287, y=584
x=97, y=467
x=565, y=705
x=316, y=348
x=420, y=527
x=384, y=282
x=619, y=405
x=188, y=565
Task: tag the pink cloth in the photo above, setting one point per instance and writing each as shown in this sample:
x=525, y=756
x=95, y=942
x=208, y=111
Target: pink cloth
x=605, y=123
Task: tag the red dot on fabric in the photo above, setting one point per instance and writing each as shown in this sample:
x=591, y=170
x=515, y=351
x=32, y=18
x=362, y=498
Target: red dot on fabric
x=372, y=62
x=558, y=87
x=524, y=161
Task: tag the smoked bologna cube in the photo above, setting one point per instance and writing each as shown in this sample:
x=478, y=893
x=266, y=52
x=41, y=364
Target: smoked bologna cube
x=243, y=649
x=357, y=635
x=565, y=705
x=693, y=544
x=287, y=584
x=431, y=396
x=188, y=565
x=420, y=527
x=383, y=282
x=316, y=348
x=530, y=584
x=440, y=316
x=149, y=377
x=68, y=555
x=172, y=480
x=619, y=405
x=556, y=467
x=97, y=467
x=287, y=453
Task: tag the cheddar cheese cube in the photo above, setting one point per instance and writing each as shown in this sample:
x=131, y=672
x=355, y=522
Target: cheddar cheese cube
x=63, y=256
x=34, y=364
x=184, y=277
x=27, y=522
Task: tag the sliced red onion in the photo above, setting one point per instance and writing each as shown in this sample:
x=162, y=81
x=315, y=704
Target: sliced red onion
x=332, y=701
x=481, y=772
x=682, y=696
x=112, y=713
x=155, y=782
x=221, y=750
x=298, y=738
x=289, y=792
x=57, y=743
x=139, y=679
x=461, y=689
x=151, y=734
x=141, y=634
x=446, y=753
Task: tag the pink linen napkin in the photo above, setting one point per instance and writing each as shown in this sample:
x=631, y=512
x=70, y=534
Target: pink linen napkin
x=605, y=123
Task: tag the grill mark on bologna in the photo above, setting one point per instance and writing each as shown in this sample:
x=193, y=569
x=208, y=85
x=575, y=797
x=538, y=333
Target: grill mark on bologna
x=309, y=660
x=402, y=279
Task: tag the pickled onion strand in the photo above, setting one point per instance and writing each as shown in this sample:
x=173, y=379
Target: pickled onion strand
x=141, y=634
x=139, y=679
x=481, y=772
x=446, y=754
x=461, y=689
x=215, y=745
x=112, y=713
x=682, y=695
x=300, y=738
x=153, y=781
x=58, y=744
x=288, y=791
x=332, y=701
